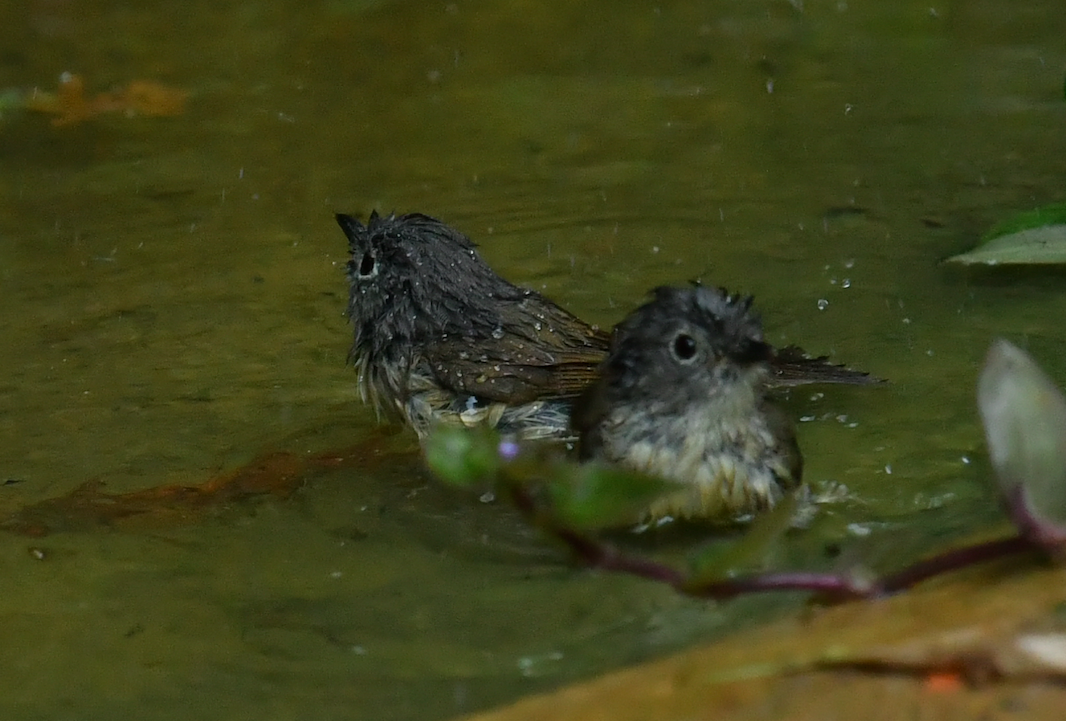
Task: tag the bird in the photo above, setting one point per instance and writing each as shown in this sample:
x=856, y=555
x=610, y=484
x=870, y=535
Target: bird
x=441, y=338
x=683, y=395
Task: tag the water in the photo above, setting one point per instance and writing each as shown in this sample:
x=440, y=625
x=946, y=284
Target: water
x=173, y=305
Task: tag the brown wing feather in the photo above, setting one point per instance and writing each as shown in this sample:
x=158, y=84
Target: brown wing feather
x=510, y=369
x=792, y=367
x=542, y=351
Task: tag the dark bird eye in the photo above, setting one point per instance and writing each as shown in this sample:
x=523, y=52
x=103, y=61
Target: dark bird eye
x=684, y=346
x=366, y=267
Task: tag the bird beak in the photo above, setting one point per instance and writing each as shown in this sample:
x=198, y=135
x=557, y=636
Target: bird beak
x=753, y=352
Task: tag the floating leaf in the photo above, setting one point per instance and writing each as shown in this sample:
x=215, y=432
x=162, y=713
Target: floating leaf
x=1024, y=416
x=596, y=496
x=1034, y=246
x=463, y=457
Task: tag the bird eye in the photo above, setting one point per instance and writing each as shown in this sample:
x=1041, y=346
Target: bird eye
x=684, y=347
x=367, y=266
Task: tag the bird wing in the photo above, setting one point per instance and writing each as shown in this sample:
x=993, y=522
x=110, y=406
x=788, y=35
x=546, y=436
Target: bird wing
x=792, y=366
x=538, y=351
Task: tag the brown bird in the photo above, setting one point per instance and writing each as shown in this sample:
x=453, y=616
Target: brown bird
x=440, y=337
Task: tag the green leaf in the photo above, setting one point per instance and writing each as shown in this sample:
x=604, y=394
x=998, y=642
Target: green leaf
x=463, y=457
x=1033, y=237
x=1054, y=214
x=1034, y=246
x=716, y=562
x=593, y=496
x=1024, y=416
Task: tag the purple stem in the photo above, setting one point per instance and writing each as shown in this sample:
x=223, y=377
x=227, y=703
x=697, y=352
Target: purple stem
x=952, y=560
x=598, y=554
x=836, y=587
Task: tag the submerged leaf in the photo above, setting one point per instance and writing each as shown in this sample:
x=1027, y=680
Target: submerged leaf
x=463, y=457
x=1024, y=416
x=594, y=496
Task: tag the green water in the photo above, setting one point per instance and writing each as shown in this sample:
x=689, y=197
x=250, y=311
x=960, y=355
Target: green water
x=172, y=296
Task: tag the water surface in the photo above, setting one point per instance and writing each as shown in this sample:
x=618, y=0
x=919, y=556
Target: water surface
x=173, y=306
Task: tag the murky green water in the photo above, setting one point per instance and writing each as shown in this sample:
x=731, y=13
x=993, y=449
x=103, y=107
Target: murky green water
x=172, y=306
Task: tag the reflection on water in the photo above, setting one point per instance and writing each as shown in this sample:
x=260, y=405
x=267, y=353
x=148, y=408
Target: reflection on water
x=174, y=303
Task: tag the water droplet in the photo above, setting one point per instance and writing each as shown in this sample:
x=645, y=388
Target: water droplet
x=537, y=325
x=497, y=333
x=823, y=304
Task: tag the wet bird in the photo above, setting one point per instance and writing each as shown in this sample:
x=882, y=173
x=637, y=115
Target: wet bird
x=682, y=395
x=441, y=337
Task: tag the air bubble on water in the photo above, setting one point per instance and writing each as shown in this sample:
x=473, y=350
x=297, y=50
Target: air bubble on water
x=537, y=325
x=823, y=304
x=846, y=283
x=487, y=497
x=497, y=333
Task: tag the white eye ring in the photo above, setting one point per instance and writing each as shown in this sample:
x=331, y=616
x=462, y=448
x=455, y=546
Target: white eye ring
x=368, y=267
x=684, y=347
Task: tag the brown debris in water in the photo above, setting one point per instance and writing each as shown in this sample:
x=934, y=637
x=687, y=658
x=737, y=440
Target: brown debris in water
x=277, y=474
x=71, y=105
